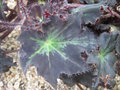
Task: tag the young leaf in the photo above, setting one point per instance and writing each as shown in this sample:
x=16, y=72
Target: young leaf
x=105, y=58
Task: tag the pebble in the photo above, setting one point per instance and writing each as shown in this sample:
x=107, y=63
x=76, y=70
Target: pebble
x=1, y=83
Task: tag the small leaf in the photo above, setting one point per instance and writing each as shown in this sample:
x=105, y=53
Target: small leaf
x=105, y=57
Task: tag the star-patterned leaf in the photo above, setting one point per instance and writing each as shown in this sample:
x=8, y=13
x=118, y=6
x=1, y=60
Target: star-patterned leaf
x=57, y=50
x=105, y=58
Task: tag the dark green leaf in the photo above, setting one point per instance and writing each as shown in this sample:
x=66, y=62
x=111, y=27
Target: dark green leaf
x=105, y=57
x=57, y=50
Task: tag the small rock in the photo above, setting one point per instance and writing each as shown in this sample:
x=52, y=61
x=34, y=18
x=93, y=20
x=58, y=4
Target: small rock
x=1, y=84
